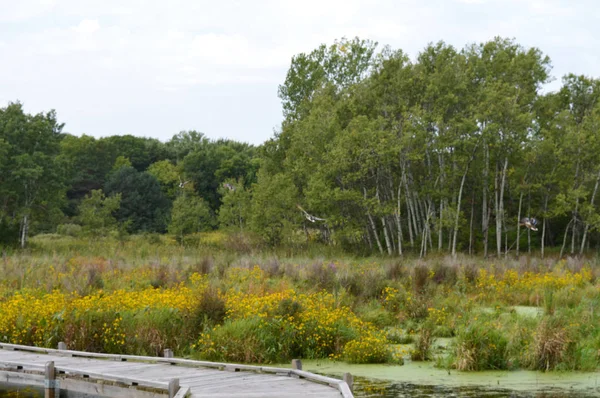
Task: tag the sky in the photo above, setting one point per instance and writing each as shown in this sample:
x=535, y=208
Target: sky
x=154, y=68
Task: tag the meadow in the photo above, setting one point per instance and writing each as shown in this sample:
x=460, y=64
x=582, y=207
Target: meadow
x=216, y=298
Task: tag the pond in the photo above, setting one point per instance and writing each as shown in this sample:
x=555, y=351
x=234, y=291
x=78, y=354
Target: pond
x=20, y=391
x=13, y=391
x=422, y=379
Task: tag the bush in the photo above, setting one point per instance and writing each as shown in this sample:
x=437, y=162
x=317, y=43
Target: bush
x=376, y=314
x=398, y=336
x=445, y=274
x=423, y=345
x=211, y=309
x=480, y=346
x=553, y=345
x=69, y=230
x=420, y=278
x=368, y=349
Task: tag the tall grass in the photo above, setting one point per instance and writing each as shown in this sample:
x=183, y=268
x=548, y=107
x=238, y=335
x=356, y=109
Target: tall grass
x=239, y=302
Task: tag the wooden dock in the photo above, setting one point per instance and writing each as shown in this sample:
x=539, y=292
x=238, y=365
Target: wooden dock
x=136, y=376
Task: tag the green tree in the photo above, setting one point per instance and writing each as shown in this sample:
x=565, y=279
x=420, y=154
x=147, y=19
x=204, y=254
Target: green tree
x=274, y=213
x=235, y=210
x=169, y=177
x=33, y=181
x=96, y=212
x=143, y=205
x=190, y=214
x=87, y=162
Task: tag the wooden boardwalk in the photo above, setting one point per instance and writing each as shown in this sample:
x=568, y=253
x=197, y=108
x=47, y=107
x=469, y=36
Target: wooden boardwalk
x=135, y=376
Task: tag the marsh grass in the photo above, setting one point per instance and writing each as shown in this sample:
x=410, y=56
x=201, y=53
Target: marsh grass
x=232, y=301
x=423, y=345
x=480, y=346
x=553, y=345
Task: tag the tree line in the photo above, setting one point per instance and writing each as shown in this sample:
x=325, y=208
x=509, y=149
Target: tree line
x=377, y=153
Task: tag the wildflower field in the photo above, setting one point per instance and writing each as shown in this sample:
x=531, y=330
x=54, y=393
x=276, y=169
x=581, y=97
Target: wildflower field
x=146, y=294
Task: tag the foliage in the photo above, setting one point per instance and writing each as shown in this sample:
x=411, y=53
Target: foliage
x=273, y=208
x=480, y=345
x=190, y=214
x=208, y=302
x=96, y=212
x=143, y=204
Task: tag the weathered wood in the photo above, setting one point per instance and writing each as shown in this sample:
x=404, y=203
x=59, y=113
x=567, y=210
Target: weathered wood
x=62, y=346
x=50, y=387
x=151, y=375
x=349, y=379
x=296, y=364
x=183, y=392
x=168, y=353
x=173, y=387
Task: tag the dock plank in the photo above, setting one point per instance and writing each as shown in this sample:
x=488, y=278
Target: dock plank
x=202, y=378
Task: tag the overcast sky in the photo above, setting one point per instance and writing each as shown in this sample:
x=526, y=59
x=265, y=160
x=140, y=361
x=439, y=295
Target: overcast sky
x=153, y=68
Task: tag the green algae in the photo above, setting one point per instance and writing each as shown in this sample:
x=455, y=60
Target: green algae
x=420, y=377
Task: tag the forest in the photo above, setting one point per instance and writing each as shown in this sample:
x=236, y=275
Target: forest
x=377, y=153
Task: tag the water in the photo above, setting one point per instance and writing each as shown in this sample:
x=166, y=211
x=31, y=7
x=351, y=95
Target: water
x=368, y=388
x=14, y=391
x=20, y=391
x=422, y=379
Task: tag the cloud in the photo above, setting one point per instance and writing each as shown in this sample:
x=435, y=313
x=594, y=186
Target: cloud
x=87, y=26
x=85, y=57
x=18, y=11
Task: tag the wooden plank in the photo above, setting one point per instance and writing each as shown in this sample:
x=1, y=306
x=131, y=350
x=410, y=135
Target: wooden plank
x=106, y=390
x=278, y=394
x=211, y=381
x=198, y=376
x=318, y=378
x=182, y=393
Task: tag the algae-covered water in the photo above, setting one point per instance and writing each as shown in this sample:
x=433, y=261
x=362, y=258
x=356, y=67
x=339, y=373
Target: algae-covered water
x=422, y=379
x=14, y=391
x=21, y=391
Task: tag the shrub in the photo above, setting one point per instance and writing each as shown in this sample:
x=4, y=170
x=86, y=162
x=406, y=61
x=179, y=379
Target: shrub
x=368, y=349
x=480, y=346
x=320, y=275
x=398, y=336
x=423, y=344
x=279, y=326
x=395, y=270
x=69, y=230
x=445, y=274
x=420, y=278
x=553, y=345
x=376, y=314
x=211, y=308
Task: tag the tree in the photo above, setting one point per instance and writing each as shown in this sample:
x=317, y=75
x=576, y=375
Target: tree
x=274, y=212
x=185, y=142
x=143, y=205
x=96, y=212
x=33, y=181
x=141, y=152
x=190, y=214
x=87, y=162
x=344, y=63
x=235, y=210
x=168, y=176
x=213, y=163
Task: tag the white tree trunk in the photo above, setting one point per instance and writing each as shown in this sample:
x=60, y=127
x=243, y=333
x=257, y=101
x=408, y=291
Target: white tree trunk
x=500, y=208
x=519, y=223
x=585, y=231
x=24, y=231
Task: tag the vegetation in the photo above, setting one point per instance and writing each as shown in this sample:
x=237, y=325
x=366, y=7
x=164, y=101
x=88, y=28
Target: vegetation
x=443, y=153
x=225, y=251
x=141, y=294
